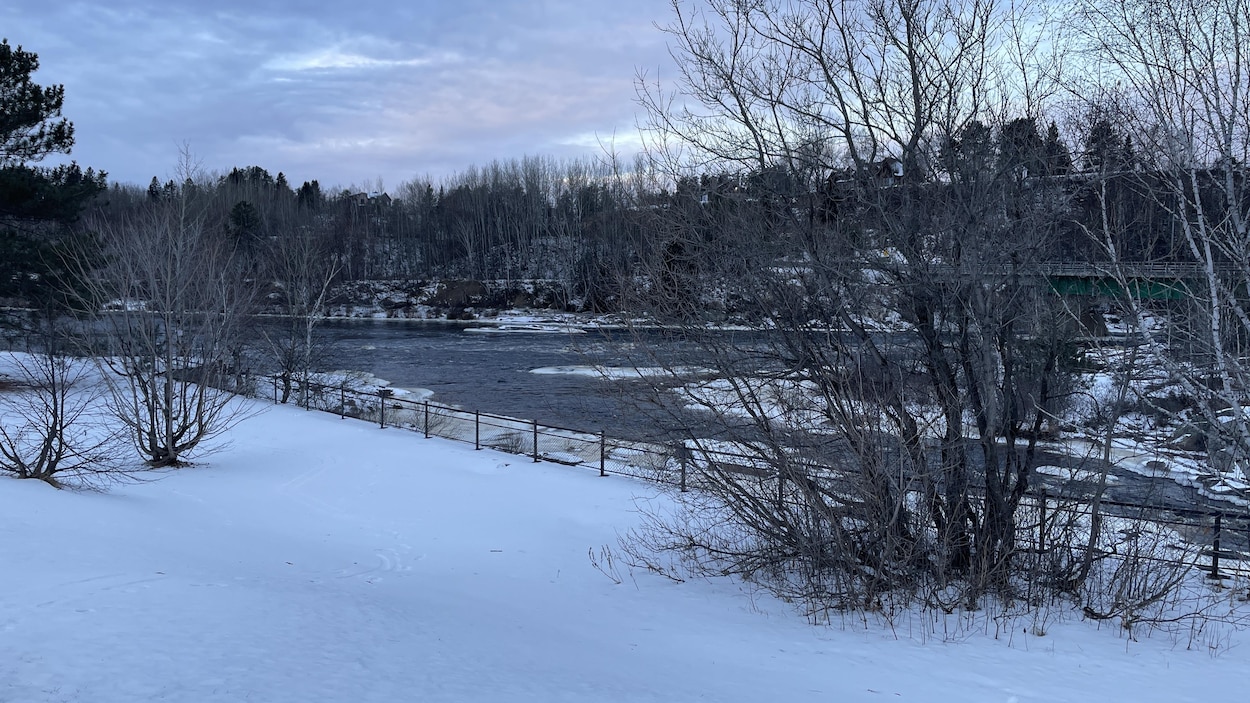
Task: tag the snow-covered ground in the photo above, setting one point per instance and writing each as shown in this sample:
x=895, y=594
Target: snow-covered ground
x=319, y=559
x=359, y=382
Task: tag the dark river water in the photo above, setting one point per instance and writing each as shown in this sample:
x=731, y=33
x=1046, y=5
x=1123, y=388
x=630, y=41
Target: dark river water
x=493, y=372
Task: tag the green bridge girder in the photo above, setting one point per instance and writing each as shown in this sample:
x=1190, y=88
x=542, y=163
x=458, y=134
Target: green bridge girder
x=1110, y=287
x=1143, y=280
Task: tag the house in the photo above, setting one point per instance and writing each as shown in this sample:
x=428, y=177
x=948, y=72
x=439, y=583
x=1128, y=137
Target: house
x=888, y=171
x=371, y=198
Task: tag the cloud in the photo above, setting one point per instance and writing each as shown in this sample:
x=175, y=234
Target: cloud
x=343, y=93
x=360, y=52
x=331, y=59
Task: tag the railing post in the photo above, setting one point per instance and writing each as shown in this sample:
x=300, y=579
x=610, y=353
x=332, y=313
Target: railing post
x=383, y=394
x=342, y=402
x=427, y=419
x=683, y=458
x=477, y=429
x=535, y=441
x=1041, y=525
x=603, y=453
x=1215, y=551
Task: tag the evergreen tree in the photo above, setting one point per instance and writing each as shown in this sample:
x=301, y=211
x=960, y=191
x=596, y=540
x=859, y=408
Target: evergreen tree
x=37, y=205
x=245, y=224
x=31, y=125
x=1058, y=158
x=1021, y=150
x=1105, y=150
x=969, y=155
x=309, y=195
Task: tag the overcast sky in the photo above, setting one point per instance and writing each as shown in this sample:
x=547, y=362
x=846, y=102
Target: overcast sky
x=344, y=91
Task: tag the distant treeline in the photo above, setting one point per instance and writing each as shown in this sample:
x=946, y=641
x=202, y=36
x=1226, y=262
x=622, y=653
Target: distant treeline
x=574, y=222
x=590, y=225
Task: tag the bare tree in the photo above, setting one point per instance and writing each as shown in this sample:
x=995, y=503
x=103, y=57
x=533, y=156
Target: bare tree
x=54, y=427
x=303, y=267
x=849, y=180
x=172, y=301
x=1182, y=73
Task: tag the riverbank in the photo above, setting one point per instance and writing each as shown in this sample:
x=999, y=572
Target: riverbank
x=319, y=559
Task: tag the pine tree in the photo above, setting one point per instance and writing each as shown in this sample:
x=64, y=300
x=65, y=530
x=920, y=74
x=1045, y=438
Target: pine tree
x=1058, y=158
x=31, y=126
x=37, y=205
x=309, y=195
x=1021, y=149
x=245, y=224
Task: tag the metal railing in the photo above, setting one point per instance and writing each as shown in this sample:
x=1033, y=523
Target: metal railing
x=1218, y=539
x=529, y=438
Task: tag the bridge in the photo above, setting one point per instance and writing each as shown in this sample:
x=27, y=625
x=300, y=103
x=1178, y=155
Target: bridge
x=1137, y=279
x=1147, y=280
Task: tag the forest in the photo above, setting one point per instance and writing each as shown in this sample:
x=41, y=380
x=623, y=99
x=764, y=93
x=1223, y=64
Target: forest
x=585, y=229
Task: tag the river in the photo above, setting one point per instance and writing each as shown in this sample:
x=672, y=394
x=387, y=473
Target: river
x=494, y=372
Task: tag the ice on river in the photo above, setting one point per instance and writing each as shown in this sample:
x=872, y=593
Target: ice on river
x=614, y=373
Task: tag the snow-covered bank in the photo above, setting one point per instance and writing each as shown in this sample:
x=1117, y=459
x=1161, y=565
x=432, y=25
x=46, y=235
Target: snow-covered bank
x=361, y=382
x=318, y=559
x=453, y=300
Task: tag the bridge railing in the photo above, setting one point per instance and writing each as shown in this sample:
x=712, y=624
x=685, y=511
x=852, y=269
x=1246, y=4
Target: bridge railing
x=1131, y=270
